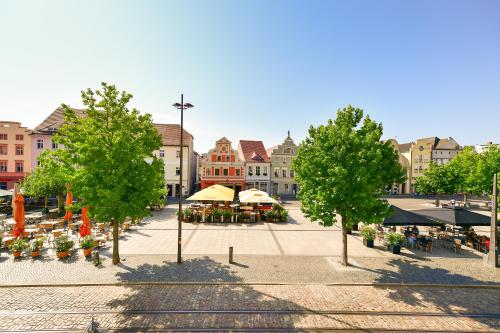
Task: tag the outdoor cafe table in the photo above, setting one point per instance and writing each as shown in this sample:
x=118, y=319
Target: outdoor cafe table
x=30, y=231
x=49, y=224
x=33, y=217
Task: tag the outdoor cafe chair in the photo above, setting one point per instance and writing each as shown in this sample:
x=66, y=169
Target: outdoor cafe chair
x=458, y=246
x=428, y=247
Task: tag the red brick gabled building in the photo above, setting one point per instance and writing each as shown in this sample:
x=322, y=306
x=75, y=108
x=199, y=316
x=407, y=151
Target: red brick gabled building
x=223, y=166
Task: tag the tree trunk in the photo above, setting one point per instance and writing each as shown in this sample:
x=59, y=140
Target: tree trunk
x=116, y=254
x=343, y=260
x=59, y=203
x=437, y=200
x=46, y=201
x=465, y=199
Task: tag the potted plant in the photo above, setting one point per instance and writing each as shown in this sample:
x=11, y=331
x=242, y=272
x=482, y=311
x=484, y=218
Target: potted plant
x=217, y=214
x=87, y=244
x=394, y=240
x=18, y=246
x=368, y=235
x=245, y=216
x=36, y=246
x=270, y=215
x=186, y=214
x=63, y=245
x=284, y=215
x=263, y=216
x=227, y=214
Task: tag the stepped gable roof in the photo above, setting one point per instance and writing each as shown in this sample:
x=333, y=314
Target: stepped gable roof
x=270, y=150
x=253, y=151
x=55, y=120
x=448, y=143
x=171, y=134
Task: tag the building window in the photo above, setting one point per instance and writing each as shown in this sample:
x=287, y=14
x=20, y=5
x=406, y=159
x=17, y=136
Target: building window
x=177, y=154
x=3, y=136
x=19, y=150
x=286, y=187
x=3, y=149
x=227, y=158
x=291, y=173
x=250, y=171
x=237, y=172
x=19, y=166
x=54, y=145
x=162, y=153
x=3, y=166
x=225, y=172
x=177, y=171
x=19, y=137
x=276, y=172
x=218, y=158
x=265, y=171
x=257, y=170
x=39, y=144
x=217, y=172
x=283, y=173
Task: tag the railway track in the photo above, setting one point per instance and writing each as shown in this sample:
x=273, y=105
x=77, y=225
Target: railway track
x=272, y=316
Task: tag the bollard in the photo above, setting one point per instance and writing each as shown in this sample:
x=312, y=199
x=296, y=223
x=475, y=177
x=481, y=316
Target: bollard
x=230, y=254
x=96, y=260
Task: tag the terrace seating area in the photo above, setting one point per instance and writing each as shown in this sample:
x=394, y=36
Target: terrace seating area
x=49, y=229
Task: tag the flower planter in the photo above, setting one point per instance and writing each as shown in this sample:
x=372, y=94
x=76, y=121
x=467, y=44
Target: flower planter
x=185, y=220
x=368, y=242
x=396, y=249
x=87, y=252
x=35, y=254
x=17, y=254
x=62, y=254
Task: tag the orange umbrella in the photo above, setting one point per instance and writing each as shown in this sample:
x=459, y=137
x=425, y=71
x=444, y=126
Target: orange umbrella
x=69, y=201
x=86, y=227
x=19, y=215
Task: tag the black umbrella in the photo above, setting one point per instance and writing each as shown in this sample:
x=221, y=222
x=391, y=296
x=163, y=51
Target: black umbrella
x=456, y=216
x=405, y=217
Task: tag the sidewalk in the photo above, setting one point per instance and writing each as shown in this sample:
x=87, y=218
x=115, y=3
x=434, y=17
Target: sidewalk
x=247, y=269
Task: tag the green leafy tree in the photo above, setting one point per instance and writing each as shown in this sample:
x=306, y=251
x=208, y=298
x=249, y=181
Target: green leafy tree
x=438, y=179
x=464, y=168
x=50, y=177
x=342, y=169
x=111, y=148
x=487, y=165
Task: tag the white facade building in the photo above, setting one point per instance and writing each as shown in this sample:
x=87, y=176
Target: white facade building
x=170, y=154
x=257, y=165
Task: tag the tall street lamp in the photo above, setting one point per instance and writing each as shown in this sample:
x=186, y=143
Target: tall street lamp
x=181, y=106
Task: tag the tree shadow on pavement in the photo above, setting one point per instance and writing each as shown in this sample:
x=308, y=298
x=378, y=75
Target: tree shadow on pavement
x=206, y=288
x=447, y=291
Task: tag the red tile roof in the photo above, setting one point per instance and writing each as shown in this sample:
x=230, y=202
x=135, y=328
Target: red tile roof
x=55, y=120
x=171, y=134
x=253, y=151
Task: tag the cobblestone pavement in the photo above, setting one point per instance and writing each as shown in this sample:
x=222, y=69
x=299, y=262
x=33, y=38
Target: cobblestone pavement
x=249, y=269
x=250, y=306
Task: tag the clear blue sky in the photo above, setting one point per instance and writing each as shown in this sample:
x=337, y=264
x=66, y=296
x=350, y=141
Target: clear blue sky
x=255, y=69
